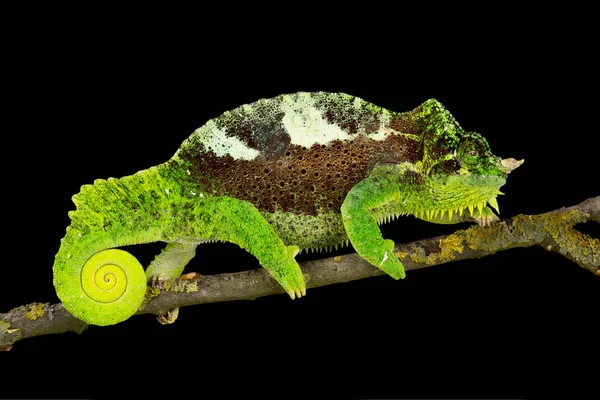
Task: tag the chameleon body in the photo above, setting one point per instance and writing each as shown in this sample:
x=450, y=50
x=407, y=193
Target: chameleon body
x=304, y=171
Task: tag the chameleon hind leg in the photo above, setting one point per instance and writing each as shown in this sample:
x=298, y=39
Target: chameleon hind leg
x=361, y=226
x=169, y=264
x=237, y=221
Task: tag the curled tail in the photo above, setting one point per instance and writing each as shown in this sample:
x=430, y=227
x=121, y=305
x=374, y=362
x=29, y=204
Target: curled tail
x=96, y=282
x=101, y=288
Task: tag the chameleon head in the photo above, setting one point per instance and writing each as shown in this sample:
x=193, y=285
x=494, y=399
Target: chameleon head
x=460, y=171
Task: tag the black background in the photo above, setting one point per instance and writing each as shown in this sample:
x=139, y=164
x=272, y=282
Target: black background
x=105, y=99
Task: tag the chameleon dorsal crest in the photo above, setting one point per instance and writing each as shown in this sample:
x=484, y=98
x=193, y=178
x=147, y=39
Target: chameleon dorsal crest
x=302, y=171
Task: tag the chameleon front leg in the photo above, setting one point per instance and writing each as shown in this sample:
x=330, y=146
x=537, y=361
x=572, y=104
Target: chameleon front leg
x=361, y=227
x=169, y=264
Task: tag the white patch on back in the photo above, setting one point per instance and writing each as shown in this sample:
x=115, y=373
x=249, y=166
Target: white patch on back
x=217, y=141
x=306, y=126
x=384, y=129
x=302, y=120
x=305, y=123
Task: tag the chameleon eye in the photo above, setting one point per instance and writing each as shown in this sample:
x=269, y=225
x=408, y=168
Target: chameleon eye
x=469, y=151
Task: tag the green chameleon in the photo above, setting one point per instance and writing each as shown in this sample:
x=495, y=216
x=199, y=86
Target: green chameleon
x=308, y=171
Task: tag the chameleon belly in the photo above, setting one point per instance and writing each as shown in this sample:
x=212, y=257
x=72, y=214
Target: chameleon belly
x=324, y=231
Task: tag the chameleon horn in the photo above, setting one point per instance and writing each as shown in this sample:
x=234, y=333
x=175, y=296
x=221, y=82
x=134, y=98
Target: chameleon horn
x=510, y=164
x=113, y=283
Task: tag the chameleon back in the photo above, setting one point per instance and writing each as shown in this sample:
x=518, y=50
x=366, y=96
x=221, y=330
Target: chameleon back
x=299, y=153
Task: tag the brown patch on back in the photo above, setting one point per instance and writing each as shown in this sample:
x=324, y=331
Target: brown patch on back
x=341, y=112
x=263, y=130
x=407, y=123
x=301, y=180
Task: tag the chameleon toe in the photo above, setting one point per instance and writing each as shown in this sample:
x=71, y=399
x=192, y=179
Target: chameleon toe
x=169, y=317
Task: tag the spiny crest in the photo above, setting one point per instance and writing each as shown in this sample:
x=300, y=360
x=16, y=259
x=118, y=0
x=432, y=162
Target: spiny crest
x=101, y=202
x=387, y=218
x=328, y=249
x=444, y=213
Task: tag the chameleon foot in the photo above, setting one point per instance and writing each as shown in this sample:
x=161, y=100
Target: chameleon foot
x=289, y=275
x=294, y=284
x=485, y=218
x=157, y=281
x=169, y=317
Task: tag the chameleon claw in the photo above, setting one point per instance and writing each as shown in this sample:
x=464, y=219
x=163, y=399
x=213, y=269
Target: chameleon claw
x=296, y=293
x=292, y=279
x=486, y=220
x=169, y=317
x=157, y=281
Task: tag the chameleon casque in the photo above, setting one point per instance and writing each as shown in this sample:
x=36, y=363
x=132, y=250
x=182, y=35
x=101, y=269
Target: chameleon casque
x=295, y=172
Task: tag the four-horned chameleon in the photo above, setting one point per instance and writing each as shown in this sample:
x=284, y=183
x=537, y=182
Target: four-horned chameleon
x=298, y=171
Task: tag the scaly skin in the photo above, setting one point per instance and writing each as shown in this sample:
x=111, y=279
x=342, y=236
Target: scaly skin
x=117, y=213
x=306, y=171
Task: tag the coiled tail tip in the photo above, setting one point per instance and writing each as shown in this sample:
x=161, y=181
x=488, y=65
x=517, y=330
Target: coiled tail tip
x=108, y=289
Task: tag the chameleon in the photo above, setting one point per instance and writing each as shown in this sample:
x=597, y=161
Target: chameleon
x=307, y=171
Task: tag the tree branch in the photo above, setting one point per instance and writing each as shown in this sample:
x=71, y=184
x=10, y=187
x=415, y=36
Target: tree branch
x=553, y=231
